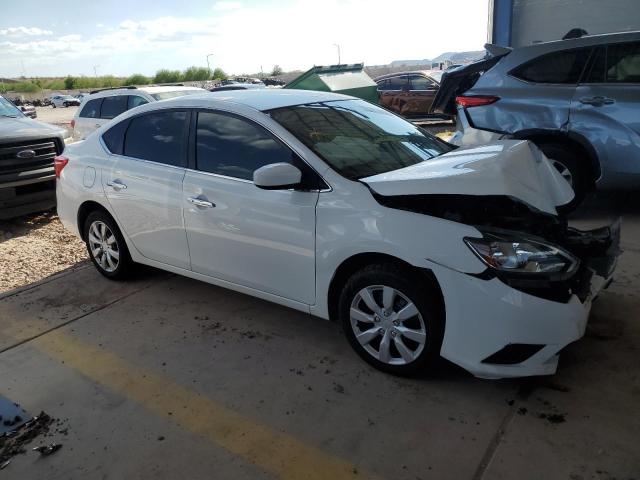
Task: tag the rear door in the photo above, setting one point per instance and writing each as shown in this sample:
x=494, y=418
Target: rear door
x=606, y=109
x=422, y=91
x=261, y=239
x=394, y=93
x=143, y=183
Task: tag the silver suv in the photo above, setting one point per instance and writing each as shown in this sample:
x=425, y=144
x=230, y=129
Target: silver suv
x=578, y=100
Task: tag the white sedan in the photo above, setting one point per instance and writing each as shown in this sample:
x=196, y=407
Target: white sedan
x=338, y=208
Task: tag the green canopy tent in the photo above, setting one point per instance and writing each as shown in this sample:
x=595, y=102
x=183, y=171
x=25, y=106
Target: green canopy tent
x=347, y=79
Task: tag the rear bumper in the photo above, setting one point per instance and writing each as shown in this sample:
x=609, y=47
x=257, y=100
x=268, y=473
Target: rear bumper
x=468, y=136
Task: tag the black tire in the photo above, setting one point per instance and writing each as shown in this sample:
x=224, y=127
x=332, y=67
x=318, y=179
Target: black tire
x=416, y=288
x=53, y=105
x=577, y=167
x=125, y=265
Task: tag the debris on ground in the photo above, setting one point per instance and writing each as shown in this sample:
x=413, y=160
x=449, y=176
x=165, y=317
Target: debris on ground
x=553, y=417
x=13, y=443
x=46, y=450
x=26, y=244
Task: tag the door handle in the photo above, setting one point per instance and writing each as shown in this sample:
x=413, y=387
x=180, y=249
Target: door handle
x=199, y=202
x=597, y=101
x=116, y=185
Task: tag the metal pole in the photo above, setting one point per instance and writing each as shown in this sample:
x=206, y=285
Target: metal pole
x=95, y=70
x=208, y=67
x=338, y=46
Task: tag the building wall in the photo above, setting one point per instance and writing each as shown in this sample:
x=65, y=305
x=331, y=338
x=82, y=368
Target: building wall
x=544, y=20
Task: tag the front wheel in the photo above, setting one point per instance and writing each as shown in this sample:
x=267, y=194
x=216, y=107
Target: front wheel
x=392, y=318
x=106, y=246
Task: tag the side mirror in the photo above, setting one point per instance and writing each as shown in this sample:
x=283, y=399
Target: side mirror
x=277, y=176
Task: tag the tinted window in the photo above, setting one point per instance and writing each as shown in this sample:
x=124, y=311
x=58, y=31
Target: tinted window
x=595, y=70
x=383, y=85
x=159, y=137
x=397, y=83
x=623, y=63
x=561, y=67
x=358, y=139
x=418, y=82
x=114, y=137
x=113, y=106
x=136, y=101
x=91, y=109
x=235, y=147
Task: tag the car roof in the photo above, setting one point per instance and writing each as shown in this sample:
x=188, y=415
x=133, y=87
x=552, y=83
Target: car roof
x=586, y=40
x=259, y=99
x=108, y=92
x=410, y=72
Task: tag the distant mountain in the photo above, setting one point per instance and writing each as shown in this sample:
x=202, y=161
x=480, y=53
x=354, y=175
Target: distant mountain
x=460, y=57
x=409, y=63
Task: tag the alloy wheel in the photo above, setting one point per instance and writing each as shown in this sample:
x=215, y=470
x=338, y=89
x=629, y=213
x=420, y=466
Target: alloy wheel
x=388, y=325
x=564, y=171
x=104, y=246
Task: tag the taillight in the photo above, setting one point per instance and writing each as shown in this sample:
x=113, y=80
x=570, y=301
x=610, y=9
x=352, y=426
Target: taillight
x=59, y=162
x=476, y=101
x=73, y=123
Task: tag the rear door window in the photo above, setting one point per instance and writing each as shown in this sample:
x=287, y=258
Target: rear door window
x=159, y=137
x=113, y=106
x=91, y=109
x=398, y=83
x=623, y=63
x=563, y=67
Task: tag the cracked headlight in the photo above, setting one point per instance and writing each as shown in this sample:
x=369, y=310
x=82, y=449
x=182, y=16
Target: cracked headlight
x=523, y=255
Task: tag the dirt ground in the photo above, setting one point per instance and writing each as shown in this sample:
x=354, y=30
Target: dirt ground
x=34, y=247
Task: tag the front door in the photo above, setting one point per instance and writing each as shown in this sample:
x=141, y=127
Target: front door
x=144, y=185
x=262, y=239
x=422, y=91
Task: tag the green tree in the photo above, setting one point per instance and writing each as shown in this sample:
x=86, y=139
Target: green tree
x=219, y=74
x=69, y=82
x=137, y=79
x=276, y=71
x=167, y=76
x=195, y=73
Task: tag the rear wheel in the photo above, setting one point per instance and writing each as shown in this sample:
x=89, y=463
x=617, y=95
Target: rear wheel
x=392, y=318
x=572, y=168
x=106, y=246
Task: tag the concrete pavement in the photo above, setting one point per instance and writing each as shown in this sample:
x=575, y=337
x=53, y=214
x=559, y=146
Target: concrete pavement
x=165, y=377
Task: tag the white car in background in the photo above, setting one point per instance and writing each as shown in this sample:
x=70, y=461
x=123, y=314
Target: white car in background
x=335, y=207
x=103, y=105
x=64, y=101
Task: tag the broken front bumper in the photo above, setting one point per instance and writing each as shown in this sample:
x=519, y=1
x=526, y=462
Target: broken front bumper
x=495, y=330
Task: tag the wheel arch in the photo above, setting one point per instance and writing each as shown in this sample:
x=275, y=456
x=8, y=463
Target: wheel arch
x=352, y=264
x=569, y=139
x=85, y=210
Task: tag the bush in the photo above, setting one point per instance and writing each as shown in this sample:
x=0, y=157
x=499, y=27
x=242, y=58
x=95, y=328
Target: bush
x=69, y=83
x=137, y=79
x=192, y=74
x=219, y=74
x=167, y=76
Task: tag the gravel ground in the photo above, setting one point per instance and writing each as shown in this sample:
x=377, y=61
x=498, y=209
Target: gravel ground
x=34, y=247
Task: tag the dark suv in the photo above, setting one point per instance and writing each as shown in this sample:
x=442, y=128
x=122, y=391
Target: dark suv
x=27, y=149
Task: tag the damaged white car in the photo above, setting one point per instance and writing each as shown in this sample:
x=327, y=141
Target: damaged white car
x=336, y=207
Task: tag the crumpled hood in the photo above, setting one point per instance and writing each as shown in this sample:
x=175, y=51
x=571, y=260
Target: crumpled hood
x=515, y=168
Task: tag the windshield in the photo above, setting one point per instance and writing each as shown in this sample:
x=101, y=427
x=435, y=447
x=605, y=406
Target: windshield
x=358, y=139
x=8, y=109
x=175, y=93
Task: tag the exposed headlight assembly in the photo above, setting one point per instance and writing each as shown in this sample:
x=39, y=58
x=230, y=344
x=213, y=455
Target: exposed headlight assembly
x=521, y=255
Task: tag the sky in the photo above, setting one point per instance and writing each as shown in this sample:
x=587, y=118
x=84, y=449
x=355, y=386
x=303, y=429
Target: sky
x=71, y=37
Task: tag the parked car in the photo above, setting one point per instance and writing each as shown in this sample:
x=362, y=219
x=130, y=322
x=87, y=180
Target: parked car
x=64, y=101
x=27, y=149
x=29, y=110
x=409, y=94
x=103, y=105
x=577, y=100
x=336, y=207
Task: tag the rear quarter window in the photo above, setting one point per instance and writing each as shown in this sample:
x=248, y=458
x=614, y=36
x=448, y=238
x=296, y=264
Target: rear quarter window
x=114, y=137
x=91, y=109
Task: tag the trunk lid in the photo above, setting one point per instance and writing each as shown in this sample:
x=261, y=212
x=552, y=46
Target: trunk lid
x=459, y=80
x=513, y=168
